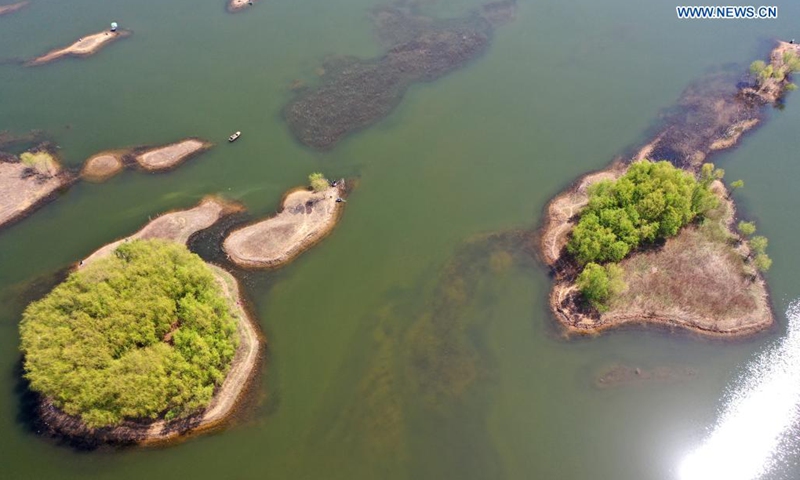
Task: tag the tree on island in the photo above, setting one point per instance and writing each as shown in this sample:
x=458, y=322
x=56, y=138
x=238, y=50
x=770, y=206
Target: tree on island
x=318, y=182
x=650, y=202
x=598, y=284
x=143, y=334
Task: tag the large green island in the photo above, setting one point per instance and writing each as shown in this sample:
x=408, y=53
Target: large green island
x=657, y=243
x=140, y=345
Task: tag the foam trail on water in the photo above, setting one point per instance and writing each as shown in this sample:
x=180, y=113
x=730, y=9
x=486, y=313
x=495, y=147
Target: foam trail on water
x=750, y=437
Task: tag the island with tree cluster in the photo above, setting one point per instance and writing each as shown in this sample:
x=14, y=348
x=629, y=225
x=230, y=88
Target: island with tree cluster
x=655, y=240
x=144, y=342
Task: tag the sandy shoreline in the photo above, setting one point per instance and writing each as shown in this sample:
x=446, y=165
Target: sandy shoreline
x=14, y=7
x=177, y=226
x=305, y=218
x=84, y=47
x=560, y=216
x=23, y=189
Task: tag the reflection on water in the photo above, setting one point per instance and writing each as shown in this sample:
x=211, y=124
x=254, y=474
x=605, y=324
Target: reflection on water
x=751, y=437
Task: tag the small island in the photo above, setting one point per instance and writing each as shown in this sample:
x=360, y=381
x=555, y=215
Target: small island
x=306, y=217
x=14, y=7
x=27, y=182
x=180, y=368
x=170, y=156
x=238, y=5
x=656, y=243
x=84, y=47
x=104, y=165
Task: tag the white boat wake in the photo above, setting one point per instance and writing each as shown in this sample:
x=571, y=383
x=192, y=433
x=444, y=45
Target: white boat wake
x=751, y=437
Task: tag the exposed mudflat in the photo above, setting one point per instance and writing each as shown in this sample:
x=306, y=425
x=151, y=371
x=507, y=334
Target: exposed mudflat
x=23, y=187
x=170, y=156
x=305, y=218
x=84, y=47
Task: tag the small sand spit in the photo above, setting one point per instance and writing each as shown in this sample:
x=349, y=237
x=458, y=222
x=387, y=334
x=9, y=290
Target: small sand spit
x=103, y=166
x=23, y=188
x=170, y=156
x=84, y=47
x=177, y=226
x=305, y=218
x=9, y=9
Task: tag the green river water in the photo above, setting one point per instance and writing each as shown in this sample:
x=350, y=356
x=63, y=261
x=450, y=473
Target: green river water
x=562, y=90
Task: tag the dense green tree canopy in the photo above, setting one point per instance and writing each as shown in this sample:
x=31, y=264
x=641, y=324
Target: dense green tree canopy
x=145, y=333
x=651, y=201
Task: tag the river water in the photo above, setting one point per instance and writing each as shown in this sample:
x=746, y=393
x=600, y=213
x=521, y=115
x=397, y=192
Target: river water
x=407, y=344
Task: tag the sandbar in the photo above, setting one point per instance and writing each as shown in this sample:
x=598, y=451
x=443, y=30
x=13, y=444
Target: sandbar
x=84, y=47
x=170, y=156
x=306, y=217
x=103, y=166
x=25, y=187
x=8, y=9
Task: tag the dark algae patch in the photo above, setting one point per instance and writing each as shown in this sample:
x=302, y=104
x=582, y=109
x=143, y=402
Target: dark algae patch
x=356, y=93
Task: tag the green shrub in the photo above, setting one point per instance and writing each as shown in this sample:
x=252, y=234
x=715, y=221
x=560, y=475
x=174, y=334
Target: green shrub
x=143, y=334
x=762, y=262
x=318, y=182
x=746, y=228
x=598, y=284
x=651, y=201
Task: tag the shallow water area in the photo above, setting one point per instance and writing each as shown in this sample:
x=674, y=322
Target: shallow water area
x=401, y=346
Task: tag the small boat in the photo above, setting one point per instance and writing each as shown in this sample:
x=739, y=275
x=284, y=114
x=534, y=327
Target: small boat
x=234, y=137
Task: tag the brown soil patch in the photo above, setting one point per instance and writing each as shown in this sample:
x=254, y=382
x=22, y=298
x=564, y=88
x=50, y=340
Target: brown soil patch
x=84, y=47
x=103, y=166
x=176, y=226
x=23, y=188
x=305, y=218
x=170, y=156
x=8, y=9
x=624, y=375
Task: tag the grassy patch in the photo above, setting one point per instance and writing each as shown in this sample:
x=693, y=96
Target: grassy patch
x=702, y=272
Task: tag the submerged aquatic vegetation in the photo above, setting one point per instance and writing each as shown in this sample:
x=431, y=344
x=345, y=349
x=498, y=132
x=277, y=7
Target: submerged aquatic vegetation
x=356, y=93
